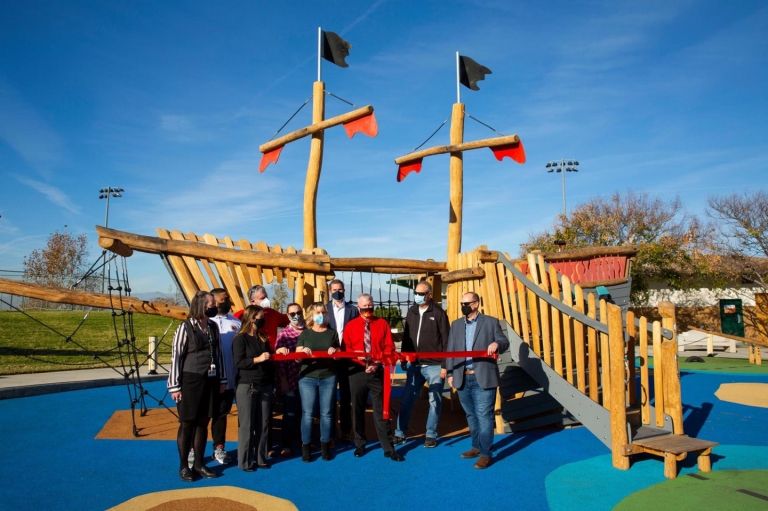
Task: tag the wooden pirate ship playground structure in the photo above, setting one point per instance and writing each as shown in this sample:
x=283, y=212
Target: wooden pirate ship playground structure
x=573, y=352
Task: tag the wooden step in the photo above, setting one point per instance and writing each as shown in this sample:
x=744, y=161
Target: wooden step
x=673, y=448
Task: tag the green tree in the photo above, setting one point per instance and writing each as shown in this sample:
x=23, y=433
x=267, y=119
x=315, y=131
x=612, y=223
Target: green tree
x=669, y=241
x=392, y=314
x=281, y=296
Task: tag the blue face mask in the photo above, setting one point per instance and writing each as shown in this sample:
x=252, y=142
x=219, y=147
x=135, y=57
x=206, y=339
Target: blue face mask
x=318, y=319
x=419, y=300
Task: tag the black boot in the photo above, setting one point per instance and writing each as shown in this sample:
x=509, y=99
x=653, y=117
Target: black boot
x=305, y=453
x=325, y=451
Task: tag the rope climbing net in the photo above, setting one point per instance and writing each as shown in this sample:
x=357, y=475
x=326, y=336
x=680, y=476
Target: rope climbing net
x=126, y=356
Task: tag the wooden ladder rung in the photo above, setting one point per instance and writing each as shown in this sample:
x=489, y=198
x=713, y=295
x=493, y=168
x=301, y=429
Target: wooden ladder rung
x=673, y=448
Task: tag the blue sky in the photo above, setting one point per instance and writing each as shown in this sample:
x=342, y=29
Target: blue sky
x=170, y=100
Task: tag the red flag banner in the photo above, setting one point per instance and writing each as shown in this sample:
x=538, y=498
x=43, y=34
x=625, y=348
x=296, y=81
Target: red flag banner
x=270, y=157
x=407, y=168
x=365, y=125
x=514, y=151
x=388, y=360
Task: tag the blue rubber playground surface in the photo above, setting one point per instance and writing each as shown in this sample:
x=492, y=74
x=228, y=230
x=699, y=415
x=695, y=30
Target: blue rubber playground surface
x=53, y=461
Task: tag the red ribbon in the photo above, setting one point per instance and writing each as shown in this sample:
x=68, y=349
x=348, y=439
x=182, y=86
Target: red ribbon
x=388, y=360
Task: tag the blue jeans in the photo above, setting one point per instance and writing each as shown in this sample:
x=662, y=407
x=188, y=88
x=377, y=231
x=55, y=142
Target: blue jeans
x=415, y=377
x=478, y=404
x=320, y=391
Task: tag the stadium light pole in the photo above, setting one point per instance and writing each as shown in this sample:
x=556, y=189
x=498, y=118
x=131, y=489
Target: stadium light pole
x=106, y=193
x=562, y=167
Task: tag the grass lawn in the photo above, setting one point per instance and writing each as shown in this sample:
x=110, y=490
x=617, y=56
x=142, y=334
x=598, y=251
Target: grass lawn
x=27, y=346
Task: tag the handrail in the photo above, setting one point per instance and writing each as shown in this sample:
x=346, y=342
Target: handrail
x=665, y=332
x=729, y=336
x=592, y=323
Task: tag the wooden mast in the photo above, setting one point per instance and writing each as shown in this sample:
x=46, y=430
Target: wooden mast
x=313, y=168
x=455, y=213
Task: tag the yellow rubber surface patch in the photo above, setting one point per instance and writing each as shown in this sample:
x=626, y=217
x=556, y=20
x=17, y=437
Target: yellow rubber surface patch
x=750, y=394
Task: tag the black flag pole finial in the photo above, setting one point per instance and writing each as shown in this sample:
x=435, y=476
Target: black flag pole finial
x=335, y=49
x=470, y=72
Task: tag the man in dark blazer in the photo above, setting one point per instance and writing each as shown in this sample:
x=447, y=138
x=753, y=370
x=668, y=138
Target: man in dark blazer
x=476, y=379
x=340, y=313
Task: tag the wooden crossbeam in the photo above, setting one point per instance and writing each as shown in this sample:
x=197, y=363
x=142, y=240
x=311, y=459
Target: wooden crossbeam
x=315, y=128
x=152, y=245
x=466, y=146
x=89, y=299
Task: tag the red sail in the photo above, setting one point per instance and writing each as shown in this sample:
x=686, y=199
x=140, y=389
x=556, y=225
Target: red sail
x=365, y=125
x=407, y=168
x=514, y=151
x=270, y=157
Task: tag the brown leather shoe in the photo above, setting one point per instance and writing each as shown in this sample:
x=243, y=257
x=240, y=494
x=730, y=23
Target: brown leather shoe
x=472, y=453
x=482, y=463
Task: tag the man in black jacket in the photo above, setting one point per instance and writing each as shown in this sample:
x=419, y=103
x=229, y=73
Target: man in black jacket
x=426, y=329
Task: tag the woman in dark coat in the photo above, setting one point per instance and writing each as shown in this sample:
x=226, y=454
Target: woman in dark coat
x=196, y=379
x=255, y=381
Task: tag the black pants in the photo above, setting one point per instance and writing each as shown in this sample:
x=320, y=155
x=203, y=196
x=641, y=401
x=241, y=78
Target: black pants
x=345, y=399
x=360, y=384
x=290, y=406
x=219, y=422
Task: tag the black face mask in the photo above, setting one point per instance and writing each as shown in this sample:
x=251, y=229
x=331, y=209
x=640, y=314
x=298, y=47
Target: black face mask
x=211, y=312
x=338, y=296
x=259, y=323
x=466, y=310
x=224, y=307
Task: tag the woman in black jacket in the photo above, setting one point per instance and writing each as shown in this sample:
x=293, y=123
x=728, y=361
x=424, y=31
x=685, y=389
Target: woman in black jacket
x=255, y=381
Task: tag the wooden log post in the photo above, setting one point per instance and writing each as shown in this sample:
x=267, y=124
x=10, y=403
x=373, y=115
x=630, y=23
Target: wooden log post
x=90, y=299
x=456, y=187
x=313, y=168
x=618, y=403
x=673, y=404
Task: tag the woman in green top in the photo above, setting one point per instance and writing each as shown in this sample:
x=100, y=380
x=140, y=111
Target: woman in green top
x=317, y=379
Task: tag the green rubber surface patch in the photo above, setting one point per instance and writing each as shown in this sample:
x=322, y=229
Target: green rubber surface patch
x=722, y=489
x=715, y=364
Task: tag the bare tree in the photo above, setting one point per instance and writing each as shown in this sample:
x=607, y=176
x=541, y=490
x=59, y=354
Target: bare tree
x=63, y=258
x=742, y=227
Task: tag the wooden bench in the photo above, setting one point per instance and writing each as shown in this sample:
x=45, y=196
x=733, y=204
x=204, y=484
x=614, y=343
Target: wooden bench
x=673, y=448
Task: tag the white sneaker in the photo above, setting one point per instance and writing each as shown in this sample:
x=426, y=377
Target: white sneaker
x=220, y=455
x=191, y=458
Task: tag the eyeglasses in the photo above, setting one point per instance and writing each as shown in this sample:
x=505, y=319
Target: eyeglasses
x=420, y=294
x=294, y=314
x=465, y=304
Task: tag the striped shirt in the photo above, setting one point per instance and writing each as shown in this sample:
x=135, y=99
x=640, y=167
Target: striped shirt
x=179, y=352
x=288, y=370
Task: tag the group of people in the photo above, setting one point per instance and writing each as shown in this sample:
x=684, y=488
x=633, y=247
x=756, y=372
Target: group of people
x=219, y=357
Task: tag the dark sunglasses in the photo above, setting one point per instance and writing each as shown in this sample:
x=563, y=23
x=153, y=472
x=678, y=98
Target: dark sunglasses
x=463, y=304
x=420, y=294
x=366, y=309
x=294, y=314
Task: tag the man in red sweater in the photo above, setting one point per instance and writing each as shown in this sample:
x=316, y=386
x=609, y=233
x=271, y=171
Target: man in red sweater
x=372, y=335
x=273, y=319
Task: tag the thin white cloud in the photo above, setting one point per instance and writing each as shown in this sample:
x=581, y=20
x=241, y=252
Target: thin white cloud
x=27, y=134
x=52, y=193
x=13, y=244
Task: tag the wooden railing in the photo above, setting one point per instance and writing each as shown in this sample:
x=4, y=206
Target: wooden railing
x=588, y=343
x=753, y=345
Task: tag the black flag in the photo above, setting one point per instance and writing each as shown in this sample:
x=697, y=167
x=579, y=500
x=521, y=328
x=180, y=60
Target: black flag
x=470, y=72
x=335, y=49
